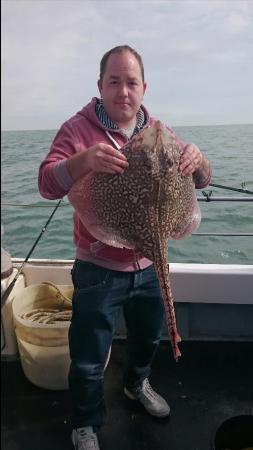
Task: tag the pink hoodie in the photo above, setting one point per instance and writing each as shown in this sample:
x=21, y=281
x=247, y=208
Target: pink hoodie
x=77, y=134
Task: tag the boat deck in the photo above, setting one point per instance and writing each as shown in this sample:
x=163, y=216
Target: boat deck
x=210, y=383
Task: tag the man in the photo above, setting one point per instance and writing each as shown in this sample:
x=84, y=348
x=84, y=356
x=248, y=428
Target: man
x=106, y=278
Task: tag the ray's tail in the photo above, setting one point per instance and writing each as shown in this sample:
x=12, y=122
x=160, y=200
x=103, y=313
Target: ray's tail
x=162, y=271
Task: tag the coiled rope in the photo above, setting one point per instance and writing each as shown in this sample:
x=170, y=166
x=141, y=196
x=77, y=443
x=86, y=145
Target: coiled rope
x=52, y=315
x=42, y=315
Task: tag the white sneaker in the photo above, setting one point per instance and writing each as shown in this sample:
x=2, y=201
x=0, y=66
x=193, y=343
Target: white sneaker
x=152, y=402
x=85, y=439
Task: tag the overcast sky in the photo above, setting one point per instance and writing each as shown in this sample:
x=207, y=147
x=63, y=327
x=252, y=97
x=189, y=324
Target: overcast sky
x=198, y=58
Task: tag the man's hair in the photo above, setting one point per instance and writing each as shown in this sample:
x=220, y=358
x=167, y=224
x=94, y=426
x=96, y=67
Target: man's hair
x=120, y=49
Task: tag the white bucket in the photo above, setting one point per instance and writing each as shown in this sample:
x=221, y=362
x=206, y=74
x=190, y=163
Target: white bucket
x=43, y=347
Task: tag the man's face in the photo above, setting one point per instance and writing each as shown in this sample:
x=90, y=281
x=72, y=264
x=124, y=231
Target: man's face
x=122, y=88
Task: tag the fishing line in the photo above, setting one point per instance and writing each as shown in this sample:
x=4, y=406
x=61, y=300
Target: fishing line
x=243, y=190
x=30, y=205
x=34, y=205
x=12, y=284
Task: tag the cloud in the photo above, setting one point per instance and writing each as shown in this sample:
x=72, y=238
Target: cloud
x=192, y=51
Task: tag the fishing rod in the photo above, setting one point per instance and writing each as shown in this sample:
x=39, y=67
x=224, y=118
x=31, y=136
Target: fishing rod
x=12, y=284
x=243, y=190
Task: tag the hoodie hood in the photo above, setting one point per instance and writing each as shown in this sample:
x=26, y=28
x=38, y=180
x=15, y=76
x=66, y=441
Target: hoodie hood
x=89, y=112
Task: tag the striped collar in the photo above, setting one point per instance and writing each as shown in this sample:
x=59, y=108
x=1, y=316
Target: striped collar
x=102, y=115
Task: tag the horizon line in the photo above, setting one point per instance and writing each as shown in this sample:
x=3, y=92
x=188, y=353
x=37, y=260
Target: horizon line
x=173, y=126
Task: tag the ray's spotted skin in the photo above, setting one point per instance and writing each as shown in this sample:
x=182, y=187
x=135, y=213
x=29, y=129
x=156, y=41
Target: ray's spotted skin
x=143, y=207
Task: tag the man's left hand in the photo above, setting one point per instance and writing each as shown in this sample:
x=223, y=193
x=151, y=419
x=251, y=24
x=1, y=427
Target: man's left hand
x=191, y=160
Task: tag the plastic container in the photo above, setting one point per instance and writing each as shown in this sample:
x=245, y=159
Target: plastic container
x=43, y=347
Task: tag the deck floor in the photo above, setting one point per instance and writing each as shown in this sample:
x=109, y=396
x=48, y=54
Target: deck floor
x=210, y=383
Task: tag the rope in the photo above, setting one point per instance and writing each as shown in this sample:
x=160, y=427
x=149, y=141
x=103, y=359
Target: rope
x=60, y=293
x=43, y=315
x=50, y=315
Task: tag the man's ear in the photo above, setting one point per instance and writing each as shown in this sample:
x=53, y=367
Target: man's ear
x=99, y=83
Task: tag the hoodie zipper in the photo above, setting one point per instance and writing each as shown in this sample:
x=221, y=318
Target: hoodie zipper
x=116, y=144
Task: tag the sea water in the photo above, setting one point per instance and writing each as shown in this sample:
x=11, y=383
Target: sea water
x=25, y=212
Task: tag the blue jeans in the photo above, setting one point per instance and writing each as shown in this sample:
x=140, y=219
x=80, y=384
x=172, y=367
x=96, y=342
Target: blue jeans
x=99, y=294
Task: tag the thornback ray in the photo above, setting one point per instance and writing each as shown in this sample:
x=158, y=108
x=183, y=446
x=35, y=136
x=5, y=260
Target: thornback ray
x=144, y=207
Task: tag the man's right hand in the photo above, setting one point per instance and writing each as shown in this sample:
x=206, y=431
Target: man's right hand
x=99, y=158
x=105, y=158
